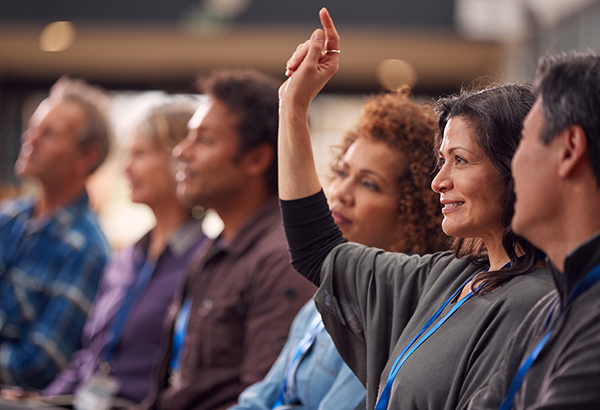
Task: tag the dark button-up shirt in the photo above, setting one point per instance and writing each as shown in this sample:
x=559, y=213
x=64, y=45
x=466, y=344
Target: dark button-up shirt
x=245, y=295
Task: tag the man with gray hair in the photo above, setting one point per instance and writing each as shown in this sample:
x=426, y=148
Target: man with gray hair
x=52, y=250
x=553, y=360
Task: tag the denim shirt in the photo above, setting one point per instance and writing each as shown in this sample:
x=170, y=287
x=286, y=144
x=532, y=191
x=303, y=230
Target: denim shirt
x=322, y=380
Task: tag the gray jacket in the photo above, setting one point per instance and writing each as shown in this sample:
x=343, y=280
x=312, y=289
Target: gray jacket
x=373, y=303
x=566, y=374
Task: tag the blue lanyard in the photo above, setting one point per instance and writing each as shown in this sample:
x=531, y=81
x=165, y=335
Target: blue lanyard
x=183, y=317
x=133, y=293
x=588, y=281
x=382, y=403
x=179, y=335
x=306, y=342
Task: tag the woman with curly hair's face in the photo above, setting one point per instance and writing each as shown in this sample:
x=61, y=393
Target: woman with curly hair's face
x=363, y=194
x=380, y=193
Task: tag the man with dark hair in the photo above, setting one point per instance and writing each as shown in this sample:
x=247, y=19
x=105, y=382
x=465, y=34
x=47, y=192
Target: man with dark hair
x=553, y=361
x=52, y=250
x=231, y=319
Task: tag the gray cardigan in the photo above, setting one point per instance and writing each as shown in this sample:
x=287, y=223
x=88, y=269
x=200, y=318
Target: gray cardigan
x=373, y=303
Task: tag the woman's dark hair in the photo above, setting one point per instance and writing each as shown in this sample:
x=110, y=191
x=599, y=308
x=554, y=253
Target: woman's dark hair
x=408, y=128
x=496, y=115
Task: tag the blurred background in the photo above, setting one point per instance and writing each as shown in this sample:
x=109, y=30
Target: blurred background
x=138, y=49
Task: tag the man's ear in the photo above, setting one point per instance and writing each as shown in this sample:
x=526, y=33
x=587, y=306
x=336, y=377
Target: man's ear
x=259, y=159
x=574, y=150
x=88, y=159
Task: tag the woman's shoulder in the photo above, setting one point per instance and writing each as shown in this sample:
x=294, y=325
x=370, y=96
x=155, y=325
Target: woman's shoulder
x=359, y=250
x=528, y=288
x=352, y=257
x=539, y=277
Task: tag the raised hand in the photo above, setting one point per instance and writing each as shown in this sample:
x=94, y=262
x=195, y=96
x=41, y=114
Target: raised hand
x=313, y=64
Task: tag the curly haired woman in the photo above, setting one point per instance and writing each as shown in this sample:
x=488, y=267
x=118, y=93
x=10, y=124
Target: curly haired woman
x=380, y=196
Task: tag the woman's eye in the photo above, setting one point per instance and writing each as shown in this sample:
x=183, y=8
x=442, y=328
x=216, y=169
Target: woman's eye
x=340, y=173
x=459, y=160
x=371, y=186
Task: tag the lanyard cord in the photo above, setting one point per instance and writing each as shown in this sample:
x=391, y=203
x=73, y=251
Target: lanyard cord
x=382, y=403
x=134, y=292
x=183, y=317
x=588, y=280
x=179, y=335
x=384, y=399
x=288, y=382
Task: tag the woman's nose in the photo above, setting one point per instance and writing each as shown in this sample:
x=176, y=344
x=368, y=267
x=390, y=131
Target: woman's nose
x=179, y=149
x=342, y=191
x=127, y=165
x=442, y=181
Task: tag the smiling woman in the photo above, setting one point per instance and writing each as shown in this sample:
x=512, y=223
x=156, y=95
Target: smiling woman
x=466, y=181
x=478, y=133
x=414, y=328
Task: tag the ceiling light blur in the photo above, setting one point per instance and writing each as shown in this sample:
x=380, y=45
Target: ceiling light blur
x=396, y=75
x=57, y=36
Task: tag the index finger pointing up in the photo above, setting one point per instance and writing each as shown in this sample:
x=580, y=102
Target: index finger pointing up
x=332, y=39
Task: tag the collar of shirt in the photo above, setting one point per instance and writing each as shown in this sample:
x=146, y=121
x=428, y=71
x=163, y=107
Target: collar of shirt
x=179, y=243
x=58, y=224
x=577, y=264
x=255, y=227
x=185, y=237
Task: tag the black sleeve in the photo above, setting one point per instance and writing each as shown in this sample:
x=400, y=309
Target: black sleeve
x=311, y=233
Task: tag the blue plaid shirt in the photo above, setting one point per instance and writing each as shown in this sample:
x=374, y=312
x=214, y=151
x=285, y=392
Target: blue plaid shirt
x=49, y=272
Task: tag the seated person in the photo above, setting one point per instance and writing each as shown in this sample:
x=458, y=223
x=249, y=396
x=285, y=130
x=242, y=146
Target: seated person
x=231, y=318
x=379, y=196
x=553, y=360
x=122, y=335
x=52, y=250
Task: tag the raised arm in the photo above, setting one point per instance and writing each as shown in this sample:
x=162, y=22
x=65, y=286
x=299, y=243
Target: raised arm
x=311, y=66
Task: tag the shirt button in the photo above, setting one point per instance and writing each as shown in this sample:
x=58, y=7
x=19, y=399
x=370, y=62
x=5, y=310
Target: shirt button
x=207, y=303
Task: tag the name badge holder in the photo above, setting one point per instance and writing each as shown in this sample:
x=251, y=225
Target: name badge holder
x=98, y=393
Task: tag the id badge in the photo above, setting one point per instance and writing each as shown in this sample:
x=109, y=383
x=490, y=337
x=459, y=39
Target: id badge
x=97, y=394
x=174, y=378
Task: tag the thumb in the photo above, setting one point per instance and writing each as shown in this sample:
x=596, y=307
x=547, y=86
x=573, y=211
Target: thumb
x=317, y=41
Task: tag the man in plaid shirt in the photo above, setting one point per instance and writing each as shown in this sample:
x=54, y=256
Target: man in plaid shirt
x=52, y=250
